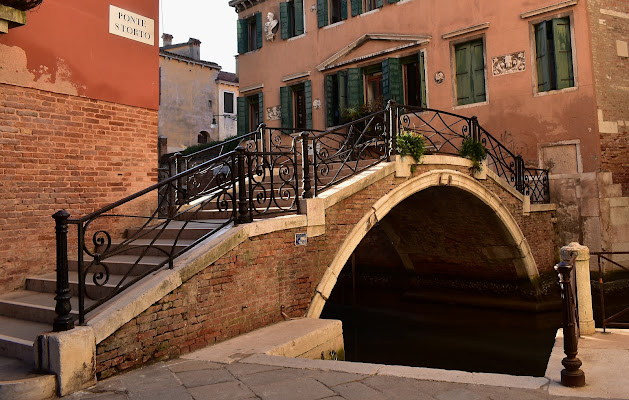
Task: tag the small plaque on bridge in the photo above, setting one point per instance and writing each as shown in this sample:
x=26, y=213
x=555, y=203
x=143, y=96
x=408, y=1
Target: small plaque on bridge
x=301, y=239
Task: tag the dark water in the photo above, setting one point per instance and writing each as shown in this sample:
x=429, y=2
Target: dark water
x=455, y=337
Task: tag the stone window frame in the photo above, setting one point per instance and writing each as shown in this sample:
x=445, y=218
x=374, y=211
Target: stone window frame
x=532, y=22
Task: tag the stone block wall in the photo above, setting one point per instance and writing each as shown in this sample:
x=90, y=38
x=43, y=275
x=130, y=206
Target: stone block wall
x=60, y=151
x=609, y=27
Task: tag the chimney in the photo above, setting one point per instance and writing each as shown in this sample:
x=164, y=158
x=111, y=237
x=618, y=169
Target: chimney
x=195, y=48
x=167, y=38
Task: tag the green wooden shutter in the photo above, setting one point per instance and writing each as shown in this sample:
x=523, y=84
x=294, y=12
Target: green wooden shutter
x=392, y=1
x=342, y=89
x=378, y=3
x=308, y=93
x=260, y=108
x=563, y=53
x=478, y=71
x=542, y=59
x=392, y=80
x=356, y=95
x=463, y=74
x=422, y=80
x=343, y=9
x=242, y=116
x=286, y=103
x=242, y=35
x=357, y=7
x=299, y=16
x=285, y=22
x=322, y=13
x=329, y=100
x=259, y=30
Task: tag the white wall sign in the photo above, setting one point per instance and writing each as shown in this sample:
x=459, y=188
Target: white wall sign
x=131, y=25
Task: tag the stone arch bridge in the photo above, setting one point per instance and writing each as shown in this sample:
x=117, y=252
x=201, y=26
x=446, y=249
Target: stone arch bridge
x=256, y=274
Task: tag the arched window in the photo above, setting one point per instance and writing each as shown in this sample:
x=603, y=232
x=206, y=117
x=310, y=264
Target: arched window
x=203, y=137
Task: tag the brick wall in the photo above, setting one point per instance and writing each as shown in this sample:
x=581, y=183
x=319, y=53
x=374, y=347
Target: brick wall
x=609, y=24
x=249, y=286
x=60, y=151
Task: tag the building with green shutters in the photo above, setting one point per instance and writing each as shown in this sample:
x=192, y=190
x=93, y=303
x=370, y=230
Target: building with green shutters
x=547, y=78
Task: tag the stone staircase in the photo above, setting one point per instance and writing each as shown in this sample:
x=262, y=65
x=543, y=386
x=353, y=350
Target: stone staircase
x=25, y=314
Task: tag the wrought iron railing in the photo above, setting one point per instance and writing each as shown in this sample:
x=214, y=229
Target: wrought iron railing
x=605, y=258
x=265, y=175
x=444, y=133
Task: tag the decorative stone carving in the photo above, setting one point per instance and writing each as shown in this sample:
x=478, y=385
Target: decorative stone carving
x=439, y=77
x=509, y=63
x=316, y=104
x=273, y=113
x=270, y=26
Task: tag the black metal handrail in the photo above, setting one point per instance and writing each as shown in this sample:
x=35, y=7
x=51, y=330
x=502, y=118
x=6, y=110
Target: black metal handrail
x=603, y=256
x=263, y=176
x=444, y=133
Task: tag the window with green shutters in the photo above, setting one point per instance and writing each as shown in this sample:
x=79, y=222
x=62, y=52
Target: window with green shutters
x=470, y=72
x=291, y=18
x=296, y=105
x=553, y=55
x=249, y=33
x=331, y=11
x=250, y=113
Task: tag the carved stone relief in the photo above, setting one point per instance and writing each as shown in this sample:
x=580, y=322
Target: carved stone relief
x=273, y=113
x=509, y=63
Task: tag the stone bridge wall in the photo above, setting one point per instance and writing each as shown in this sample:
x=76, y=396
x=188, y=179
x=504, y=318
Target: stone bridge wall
x=249, y=286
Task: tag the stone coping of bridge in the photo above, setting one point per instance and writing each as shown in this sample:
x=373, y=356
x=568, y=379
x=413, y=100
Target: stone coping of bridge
x=141, y=296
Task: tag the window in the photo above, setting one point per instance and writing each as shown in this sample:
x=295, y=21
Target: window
x=373, y=85
x=228, y=102
x=470, y=72
x=331, y=11
x=249, y=33
x=249, y=112
x=292, y=18
x=414, y=85
x=203, y=137
x=337, y=97
x=553, y=55
x=361, y=6
x=296, y=104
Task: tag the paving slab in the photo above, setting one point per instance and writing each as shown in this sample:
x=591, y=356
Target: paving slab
x=296, y=389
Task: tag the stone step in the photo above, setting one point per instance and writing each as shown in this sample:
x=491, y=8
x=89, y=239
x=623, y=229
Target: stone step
x=17, y=337
x=120, y=265
x=48, y=284
x=193, y=230
x=227, y=214
x=35, y=306
x=18, y=381
x=159, y=247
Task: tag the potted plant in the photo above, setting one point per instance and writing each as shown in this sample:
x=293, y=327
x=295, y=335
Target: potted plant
x=411, y=144
x=474, y=151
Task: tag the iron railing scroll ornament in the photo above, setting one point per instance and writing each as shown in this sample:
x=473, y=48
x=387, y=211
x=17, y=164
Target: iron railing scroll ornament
x=263, y=172
x=571, y=375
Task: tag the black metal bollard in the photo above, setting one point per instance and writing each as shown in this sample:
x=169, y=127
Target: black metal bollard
x=571, y=375
x=305, y=164
x=63, y=321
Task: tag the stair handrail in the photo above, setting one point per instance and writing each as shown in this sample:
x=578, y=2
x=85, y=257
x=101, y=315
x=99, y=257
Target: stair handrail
x=607, y=256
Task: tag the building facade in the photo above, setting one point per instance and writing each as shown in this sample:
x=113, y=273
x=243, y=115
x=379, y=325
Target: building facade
x=197, y=99
x=78, y=120
x=547, y=78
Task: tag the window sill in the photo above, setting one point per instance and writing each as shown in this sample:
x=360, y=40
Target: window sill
x=553, y=92
x=296, y=37
x=375, y=10
x=334, y=24
x=482, y=103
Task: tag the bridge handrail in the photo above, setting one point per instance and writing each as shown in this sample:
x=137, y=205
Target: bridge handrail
x=235, y=182
x=606, y=256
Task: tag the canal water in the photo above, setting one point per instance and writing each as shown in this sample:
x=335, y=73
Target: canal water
x=389, y=328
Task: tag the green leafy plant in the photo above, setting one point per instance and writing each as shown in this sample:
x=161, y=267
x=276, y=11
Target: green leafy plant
x=474, y=151
x=198, y=147
x=411, y=144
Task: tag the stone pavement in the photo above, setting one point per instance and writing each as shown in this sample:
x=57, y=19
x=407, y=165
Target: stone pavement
x=256, y=377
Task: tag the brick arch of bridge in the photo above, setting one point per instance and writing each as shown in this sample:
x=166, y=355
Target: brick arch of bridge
x=524, y=263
